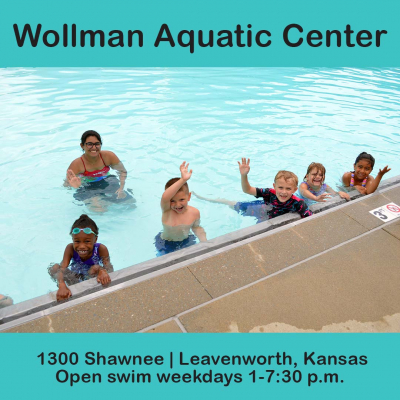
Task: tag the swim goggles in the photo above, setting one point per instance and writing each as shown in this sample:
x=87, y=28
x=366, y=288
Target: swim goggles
x=88, y=231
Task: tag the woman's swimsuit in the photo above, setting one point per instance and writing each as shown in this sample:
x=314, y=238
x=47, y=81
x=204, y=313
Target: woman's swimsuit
x=98, y=174
x=100, y=183
x=308, y=201
x=364, y=182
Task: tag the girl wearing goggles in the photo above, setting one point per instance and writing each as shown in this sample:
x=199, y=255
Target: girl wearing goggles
x=84, y=258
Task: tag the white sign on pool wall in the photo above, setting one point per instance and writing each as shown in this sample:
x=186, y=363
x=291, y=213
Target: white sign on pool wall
x=387, y=212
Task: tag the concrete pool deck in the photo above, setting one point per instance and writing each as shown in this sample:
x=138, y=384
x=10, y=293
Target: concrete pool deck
x=338, y=271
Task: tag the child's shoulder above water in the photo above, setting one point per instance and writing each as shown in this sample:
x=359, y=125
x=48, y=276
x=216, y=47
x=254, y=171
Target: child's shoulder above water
x=174, y=204
x=360, y=179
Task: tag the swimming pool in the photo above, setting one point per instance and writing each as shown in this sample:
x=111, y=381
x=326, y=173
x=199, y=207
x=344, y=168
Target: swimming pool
x=153, y=119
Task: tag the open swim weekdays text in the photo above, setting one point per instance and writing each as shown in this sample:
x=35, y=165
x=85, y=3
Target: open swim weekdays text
x=307, y=368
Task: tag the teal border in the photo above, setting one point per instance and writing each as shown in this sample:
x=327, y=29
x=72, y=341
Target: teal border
x=206, y=15
x=21, y=376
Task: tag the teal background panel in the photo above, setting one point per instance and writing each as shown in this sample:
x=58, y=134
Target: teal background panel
x=23, y=375
x=206, y=15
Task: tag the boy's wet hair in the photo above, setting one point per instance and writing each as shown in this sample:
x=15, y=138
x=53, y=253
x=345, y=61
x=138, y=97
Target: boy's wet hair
x=365, y=156
x=319, y=166
x=90, y=133
x=85, y=221
x=287, y=175
x=184, y=187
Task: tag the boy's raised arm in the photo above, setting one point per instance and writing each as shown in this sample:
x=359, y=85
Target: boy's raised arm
x=244, y=169
x=174, y=189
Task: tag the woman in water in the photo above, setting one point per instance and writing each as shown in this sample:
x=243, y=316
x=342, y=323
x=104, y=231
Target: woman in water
x=90, y=174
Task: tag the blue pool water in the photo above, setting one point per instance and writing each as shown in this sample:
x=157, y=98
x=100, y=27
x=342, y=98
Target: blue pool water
x=153, y=119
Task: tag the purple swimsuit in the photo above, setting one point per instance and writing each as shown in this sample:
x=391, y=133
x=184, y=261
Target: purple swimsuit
x=81, y=267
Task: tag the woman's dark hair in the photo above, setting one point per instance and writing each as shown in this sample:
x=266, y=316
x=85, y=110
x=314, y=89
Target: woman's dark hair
x=365, y=156
x=85, y=222
x=90, y=133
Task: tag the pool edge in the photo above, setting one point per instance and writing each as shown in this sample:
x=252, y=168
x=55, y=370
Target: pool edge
x=46, y=304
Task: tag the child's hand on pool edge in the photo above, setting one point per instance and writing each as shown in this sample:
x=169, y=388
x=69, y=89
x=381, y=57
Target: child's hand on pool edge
x=322, y=197
x=361, y=189
x=63, y=293
x=103, y=277
x=344, y=195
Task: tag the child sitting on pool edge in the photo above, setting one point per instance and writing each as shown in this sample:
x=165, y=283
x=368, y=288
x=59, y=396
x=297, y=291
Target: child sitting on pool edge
x=360, y=178
x=178, y=218
x=89, y=258
x=281, y=197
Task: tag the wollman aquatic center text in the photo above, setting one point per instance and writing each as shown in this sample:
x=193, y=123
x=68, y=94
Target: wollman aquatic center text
x=293, y=35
